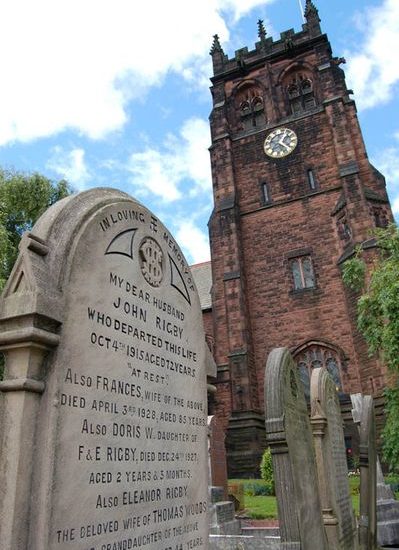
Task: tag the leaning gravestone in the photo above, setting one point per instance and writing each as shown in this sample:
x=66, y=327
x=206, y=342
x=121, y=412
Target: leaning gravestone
x=331, y=462
x=368, y=477
x=289, y=436
x=387, y=512
x=104, y=421
x=363, y=415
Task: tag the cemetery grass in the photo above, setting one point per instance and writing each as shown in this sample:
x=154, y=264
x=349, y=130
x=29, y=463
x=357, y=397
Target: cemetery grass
x=264, y=506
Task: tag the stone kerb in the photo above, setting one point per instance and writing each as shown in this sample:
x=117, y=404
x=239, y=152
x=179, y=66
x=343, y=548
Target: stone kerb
x=331, y=463
x=289, y=436
x=104, y=426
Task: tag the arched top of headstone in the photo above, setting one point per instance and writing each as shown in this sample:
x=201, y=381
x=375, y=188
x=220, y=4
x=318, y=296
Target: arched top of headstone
x=117, y=411
x=323, y=389
x=282, y=384
x=331, y=461
x=289, y=436
x=42, y=269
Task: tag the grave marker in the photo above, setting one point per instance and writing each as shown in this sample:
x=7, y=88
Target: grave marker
x=368, y=476
x=363, y=416
x=289, y=436
x=104, y=424
x=331, y=462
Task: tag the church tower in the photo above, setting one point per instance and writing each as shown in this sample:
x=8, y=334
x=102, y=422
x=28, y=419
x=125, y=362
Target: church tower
x=294, y=194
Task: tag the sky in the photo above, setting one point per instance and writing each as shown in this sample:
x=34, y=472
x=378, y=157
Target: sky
x=115, y=93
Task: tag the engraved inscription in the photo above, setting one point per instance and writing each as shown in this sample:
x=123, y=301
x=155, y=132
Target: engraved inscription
x=132, y=425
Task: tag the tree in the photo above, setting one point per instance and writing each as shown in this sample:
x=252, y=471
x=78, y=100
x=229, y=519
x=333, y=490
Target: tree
x=378, y=321
x=23, y=198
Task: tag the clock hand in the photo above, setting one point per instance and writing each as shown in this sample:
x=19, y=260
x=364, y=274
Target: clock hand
x=281, y=142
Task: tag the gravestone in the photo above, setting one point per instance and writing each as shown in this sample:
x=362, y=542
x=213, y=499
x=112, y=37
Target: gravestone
x=368, y=476
x=289, y=436
x=363, y=417
x=331, y=462
x=387, y=512
x=104, y=421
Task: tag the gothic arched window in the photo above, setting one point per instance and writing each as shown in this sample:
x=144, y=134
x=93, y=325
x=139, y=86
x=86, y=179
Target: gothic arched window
x=251, y=108
x=316, y=356
x=301, y=94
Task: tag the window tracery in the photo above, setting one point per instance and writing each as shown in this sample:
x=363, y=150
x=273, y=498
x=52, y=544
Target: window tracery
x=251, y=108
x=318, y=356
x=300, y=93
x=344, y=229
x=380, y=216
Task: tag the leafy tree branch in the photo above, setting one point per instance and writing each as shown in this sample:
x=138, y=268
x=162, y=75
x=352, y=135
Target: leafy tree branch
x=378, y=321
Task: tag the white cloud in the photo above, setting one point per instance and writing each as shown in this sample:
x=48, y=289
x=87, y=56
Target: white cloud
x=183, y=159
x=387, y=161
x=373, y=70
x=76, y=64
x=193, y=241
x=241, y=7
x=69, y=165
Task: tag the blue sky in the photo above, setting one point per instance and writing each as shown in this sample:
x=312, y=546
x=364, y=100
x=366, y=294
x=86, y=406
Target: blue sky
x=116, y=93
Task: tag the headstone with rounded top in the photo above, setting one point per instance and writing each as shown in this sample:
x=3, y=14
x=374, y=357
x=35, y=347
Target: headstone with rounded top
x=104, y=420
x=368, y=477
x=331, y=462
x=289, y=436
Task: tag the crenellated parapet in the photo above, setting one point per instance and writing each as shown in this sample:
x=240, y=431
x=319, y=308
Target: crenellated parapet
x=267, y=47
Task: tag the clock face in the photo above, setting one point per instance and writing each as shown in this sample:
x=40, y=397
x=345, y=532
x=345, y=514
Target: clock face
x=280, y=143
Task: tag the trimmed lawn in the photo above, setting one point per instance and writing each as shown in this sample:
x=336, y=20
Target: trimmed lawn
x=261, y=507
x=265, y=506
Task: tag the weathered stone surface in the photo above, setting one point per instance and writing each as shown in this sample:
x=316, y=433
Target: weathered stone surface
x=222, y=519
x=106, y=441
x=387, y=512
x=368, y=477
x=331, y=462
x=289, y=436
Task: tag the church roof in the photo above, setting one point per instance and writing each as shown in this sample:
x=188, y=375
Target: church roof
x=202, y=274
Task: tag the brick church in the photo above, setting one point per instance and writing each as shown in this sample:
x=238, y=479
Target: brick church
x=294, y=193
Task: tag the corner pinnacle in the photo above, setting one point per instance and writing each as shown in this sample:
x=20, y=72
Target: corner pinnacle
x=310, y=10
x=261, y=30
x=216, y=47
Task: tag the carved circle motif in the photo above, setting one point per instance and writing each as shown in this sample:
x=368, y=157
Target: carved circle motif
x=151, y=261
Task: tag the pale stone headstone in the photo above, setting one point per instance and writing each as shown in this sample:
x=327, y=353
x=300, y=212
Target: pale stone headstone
x=357, y=402
x=363, y=416
x=331, y=462
x=289, y=436
x=387, y=512
x=104, y=424
x=368, y=476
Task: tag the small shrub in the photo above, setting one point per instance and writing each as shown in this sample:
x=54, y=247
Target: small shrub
x=249, y=489
x=266, y=468
x=392, y=479
x=265, y=490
